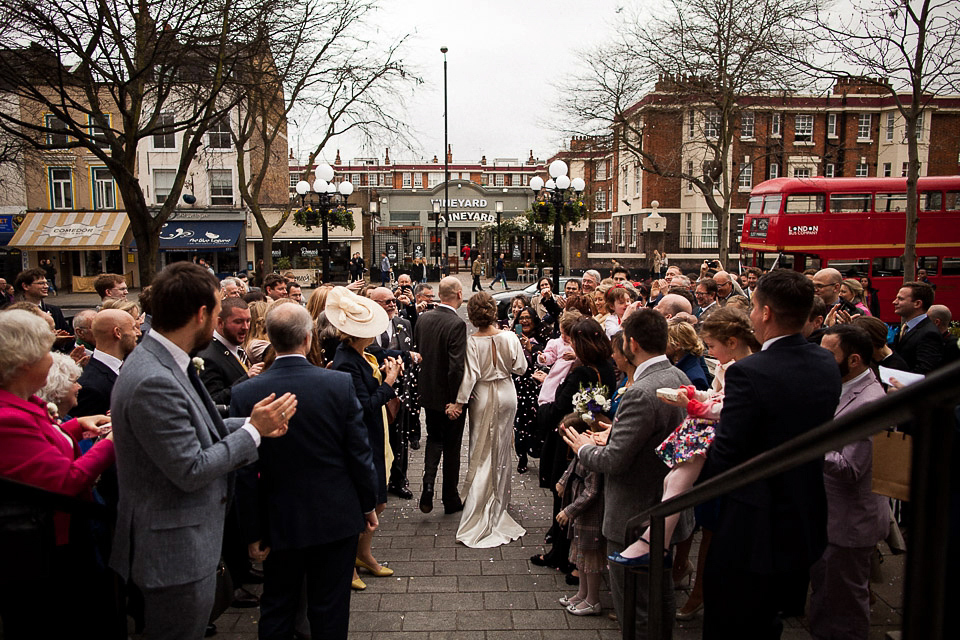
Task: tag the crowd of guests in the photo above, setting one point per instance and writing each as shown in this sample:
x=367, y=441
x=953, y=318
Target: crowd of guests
x=202, y=412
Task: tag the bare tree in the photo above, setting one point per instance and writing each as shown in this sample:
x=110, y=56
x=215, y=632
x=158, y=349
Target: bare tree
x=704, y=56
x=323, y=66
x=110, y=74
x=908, y=49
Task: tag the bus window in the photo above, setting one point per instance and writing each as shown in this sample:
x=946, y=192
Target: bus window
x=805, y=203
x=883, y=267
x=850, y=202
x=758, y=227
x=931, y=201
x=771, y=204
x=953, y=200
x=951, y=267
x=888, y=202
x=756, y=205
x=929, y=263
x=846, y=266
x=812, y=262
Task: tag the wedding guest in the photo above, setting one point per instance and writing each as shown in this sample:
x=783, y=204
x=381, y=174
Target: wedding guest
x=582, y=493
x=40, y=451
x=360, y=320
x=685, y=351
x=852, y=291
x=61, y=388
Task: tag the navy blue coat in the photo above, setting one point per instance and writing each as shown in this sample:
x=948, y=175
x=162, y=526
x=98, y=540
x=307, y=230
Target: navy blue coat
x=317, y=481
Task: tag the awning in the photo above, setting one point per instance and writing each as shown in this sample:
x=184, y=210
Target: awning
x=71, y=231
x=198, y=235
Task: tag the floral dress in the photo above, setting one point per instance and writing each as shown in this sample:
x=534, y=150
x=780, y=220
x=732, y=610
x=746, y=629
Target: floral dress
x=695, y=434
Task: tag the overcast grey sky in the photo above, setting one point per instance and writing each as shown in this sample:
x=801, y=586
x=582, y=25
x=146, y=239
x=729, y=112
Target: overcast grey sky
x=503, y=55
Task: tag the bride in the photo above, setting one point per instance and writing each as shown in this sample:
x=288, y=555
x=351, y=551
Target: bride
x=492, y=355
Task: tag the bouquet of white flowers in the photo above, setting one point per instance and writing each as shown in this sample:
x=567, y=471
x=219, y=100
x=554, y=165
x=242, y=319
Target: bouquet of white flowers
x=590, y=401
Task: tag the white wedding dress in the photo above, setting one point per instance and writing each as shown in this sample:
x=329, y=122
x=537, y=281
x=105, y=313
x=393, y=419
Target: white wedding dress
x=488, y=387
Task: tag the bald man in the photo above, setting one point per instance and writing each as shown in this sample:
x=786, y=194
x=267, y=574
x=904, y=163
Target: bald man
x=826, y=284
x=672, y=304
x=116, y=335
x=940, y=316
x=726, y=287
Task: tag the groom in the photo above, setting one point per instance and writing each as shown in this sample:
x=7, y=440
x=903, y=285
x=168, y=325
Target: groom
x=442, y=336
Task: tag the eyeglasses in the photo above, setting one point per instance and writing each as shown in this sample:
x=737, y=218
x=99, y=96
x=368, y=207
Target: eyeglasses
x=40, y=283
x=388, y=302
x=824, y=286
x=700, y=293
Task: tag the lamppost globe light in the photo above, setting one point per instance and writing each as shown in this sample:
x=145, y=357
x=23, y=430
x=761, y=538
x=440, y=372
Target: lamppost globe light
x=331, y=188
x=563, y=183
x=578, y=184
x=550, y=185
x=346, y=188
x=320, y=185
x=303, y=187
x=558, y=168
x=536, y=183
x=324, y=172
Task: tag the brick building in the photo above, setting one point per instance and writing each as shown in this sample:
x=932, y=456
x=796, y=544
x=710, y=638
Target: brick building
x=853, y=131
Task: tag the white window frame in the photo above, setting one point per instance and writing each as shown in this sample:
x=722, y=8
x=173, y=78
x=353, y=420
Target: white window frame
x=709, y=231
x=919, y=131
x=622, y=231
x=600, y=200
x=691, y=124
x=51, y=121
x=711, y=124
x=157, y=190
x=887, y=169
x=891, y=125
x=355, y=179
x=862, y=170
x=601, y=232
x=219, y=199
x=748, y=124
x=600, y=169
x=803, y=128
x=689, y=172
x=61, y=188
x=864, y=127
x=434, y=179
x=101, y=139
x=802, y=172
x=633, y=230
x=164, y=141
x=407, y=179
x=103, y=189
x=829, y=170
x=417, y=180
x=776, y=125
x=516, y=180
x=773, y=171
x=218, y=138
x=498, y=180
x=745, y=177
x=636, y=178
x=831, y=125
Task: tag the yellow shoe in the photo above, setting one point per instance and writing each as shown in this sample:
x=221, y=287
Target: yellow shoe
x=358, y=585
x=382, y=573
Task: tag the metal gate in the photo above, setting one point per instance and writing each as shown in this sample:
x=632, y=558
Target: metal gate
x=401, y=244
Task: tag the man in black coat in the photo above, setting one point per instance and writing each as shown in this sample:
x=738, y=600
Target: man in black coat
x=918, y=341
x=116, y=335
x=441, y=336
x=770, y=532
x=318, y=485
x=32, y=286
x=224, y=361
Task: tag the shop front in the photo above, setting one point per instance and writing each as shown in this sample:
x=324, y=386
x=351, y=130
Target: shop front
x=216, y=238
x=81, y=246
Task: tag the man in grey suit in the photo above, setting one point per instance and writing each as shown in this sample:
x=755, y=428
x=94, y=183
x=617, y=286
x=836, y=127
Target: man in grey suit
x=632, y=473
x=175, y=455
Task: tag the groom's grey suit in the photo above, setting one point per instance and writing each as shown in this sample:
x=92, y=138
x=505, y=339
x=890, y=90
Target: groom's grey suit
x=174, y=457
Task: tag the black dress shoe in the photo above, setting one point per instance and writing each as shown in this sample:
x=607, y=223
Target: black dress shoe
x=572, y=580
x=426, y=501
x=400, y=492
x=450, y=510
x=210, y=631
x=415, y=445
x=243, y=599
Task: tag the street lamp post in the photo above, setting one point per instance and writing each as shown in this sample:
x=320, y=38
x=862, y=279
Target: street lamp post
x=374, y=218
x=499, y=239
x=556, y=190
x=436, y=232
x=446, y=163
x=328, y=196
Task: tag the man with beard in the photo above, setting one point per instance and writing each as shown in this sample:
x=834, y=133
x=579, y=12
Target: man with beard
x=224, y=361
x=174, y=456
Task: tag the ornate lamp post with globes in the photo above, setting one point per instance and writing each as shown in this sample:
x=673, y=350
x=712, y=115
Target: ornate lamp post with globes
x=330, y=209
x=558, y=202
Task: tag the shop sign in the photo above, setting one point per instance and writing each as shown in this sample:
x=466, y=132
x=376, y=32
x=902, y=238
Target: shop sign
x=206, y=239
x=309, y=253
x=6, y=224
x=470, y=216
x=462, y=203
x=75, y=230
x=419, y=250
x=516, y=252
x=392, y=251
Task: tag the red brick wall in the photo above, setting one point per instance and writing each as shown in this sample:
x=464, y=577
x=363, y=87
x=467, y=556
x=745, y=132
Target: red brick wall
x=944, y=144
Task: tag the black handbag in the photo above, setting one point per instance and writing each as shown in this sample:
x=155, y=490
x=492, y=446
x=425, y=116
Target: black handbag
x=223, y=595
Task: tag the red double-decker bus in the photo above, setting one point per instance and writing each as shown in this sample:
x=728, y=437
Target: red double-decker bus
x=857, y=225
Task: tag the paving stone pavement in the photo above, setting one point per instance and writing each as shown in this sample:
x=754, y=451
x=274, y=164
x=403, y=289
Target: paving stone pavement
x=443, y=590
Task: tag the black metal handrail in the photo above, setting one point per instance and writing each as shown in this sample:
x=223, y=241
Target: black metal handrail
x=929, y=406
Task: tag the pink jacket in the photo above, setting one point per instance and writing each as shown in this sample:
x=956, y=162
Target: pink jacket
x=33, y=451
x=552, y=356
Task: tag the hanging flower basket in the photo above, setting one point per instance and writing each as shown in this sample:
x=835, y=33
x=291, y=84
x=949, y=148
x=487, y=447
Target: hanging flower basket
x=544, y=212
x=308, y=217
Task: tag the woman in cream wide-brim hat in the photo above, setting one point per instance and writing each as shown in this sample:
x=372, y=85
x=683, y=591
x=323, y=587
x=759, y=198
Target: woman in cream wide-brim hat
x=360, y=320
